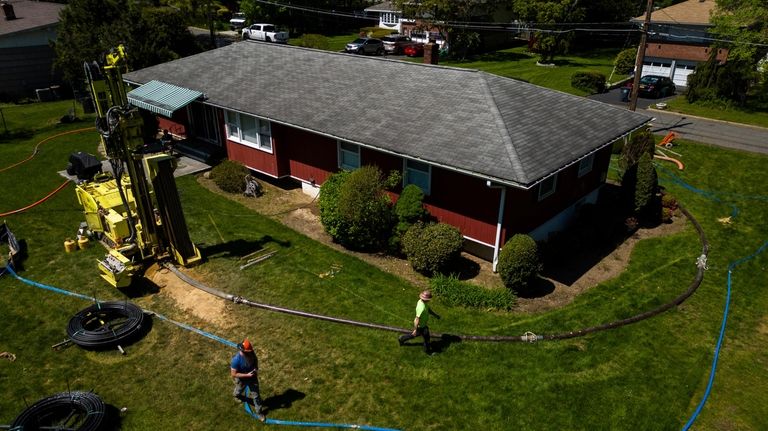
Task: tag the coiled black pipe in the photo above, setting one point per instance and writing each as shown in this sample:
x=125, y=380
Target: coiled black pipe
x=529, y=337
x=106, y=325
x=82, y=411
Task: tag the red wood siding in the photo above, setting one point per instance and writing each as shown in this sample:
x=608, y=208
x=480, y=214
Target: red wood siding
x=253, y=158
x=304, y=155
x=177, y=125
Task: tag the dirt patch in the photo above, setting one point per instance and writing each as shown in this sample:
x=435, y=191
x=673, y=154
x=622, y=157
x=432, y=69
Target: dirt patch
x=299, y=212
x=200, y=304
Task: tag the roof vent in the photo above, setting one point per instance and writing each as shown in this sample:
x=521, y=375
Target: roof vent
x=8, y=11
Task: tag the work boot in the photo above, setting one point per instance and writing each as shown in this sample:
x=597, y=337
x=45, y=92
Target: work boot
x=401, y=340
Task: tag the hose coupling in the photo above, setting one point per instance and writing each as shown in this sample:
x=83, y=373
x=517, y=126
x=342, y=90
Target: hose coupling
x=701, y=262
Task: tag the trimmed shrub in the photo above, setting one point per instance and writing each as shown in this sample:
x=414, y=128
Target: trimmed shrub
x=625, y=61
x=589, y=81
x=432, y=248
x=355, y=210
x=518, y=262
x=328, y=203
x=366, y=209
x=230, y=176
x=453, y=291
x=409, y=209
x=647, y=184
x=669, y=201
x=316, y=41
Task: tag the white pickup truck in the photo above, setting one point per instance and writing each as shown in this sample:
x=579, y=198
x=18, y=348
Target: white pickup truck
x=238, y=21
x=265, y=32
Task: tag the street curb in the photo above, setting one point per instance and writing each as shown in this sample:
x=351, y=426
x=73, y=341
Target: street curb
x=731, y=123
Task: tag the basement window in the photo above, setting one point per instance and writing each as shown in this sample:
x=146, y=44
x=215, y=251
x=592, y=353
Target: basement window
x=417, y=173
x=249, y=131
x=547, y=187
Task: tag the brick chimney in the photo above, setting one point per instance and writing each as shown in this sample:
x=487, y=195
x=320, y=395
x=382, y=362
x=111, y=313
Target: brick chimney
x=8, y=11
x=431, y=52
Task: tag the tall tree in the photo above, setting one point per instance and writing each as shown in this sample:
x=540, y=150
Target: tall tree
x=551, y=39
x=89, y=28
x=745, y=23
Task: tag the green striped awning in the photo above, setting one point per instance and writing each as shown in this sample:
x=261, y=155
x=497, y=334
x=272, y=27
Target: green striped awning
x=162, y=98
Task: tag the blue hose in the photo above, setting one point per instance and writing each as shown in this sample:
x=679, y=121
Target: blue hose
x=205, y=334
x=703, y=401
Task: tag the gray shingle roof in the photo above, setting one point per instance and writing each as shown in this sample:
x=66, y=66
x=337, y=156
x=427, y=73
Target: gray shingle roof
x=30, y=15
x=493, y=127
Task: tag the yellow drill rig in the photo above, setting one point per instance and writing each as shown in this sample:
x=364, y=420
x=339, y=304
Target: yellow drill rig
x=135, y=212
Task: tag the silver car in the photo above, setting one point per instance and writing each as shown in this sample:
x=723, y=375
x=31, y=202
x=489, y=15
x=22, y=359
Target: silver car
x=365, y=45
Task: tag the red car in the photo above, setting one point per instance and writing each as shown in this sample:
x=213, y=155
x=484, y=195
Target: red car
x=414, y=50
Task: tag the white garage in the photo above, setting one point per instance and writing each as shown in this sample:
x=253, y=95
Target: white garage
x=678, y=70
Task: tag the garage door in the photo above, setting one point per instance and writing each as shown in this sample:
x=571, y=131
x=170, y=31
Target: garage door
x=682, y=70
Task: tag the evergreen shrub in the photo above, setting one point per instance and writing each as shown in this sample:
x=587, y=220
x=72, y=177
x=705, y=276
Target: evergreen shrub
x=589, y=81
x=432, y=248
x=229, y=176
x=518, y=262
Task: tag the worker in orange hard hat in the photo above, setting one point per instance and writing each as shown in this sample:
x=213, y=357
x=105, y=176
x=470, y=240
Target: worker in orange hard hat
x=244, y=369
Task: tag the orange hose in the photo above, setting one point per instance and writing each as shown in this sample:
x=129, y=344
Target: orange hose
x=34, y=153
x=38, y=202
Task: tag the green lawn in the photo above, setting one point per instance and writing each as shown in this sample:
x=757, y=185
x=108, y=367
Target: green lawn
x=755, y=117
x=646, y=376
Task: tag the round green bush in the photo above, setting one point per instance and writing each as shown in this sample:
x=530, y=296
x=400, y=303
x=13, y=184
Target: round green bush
x=589, y=81
x=230, y=176
x=518, y=262
x=625, y=61
x=432, y=248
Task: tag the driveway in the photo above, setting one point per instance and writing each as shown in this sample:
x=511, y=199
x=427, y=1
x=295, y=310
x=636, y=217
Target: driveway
x=714, y=132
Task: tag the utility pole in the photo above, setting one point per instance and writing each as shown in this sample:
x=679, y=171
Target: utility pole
x=640, y=57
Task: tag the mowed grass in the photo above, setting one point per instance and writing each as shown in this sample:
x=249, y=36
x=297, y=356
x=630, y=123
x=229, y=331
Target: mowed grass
x=649, y=375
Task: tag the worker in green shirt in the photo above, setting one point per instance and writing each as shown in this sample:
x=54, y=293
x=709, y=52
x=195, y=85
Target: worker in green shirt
x=420, y=323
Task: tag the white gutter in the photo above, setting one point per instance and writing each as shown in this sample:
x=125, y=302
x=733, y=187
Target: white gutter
x=499, y=220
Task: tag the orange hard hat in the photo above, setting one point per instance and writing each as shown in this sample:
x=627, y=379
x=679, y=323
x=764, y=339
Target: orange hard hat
x=245, y=346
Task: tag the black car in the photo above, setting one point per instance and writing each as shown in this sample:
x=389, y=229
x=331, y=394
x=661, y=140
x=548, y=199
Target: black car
x=656, y=86
x=365, y=45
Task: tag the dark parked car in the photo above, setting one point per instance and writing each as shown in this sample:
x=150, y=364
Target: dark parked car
x=365, y=45
x=656, y=86
x=414, y=50
x=395, y=43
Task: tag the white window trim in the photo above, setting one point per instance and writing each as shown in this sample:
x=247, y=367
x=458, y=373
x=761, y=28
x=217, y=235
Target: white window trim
x=340, y=151
x=428, y=191
x=546, y=193
x=240, y=139
x=586, y=164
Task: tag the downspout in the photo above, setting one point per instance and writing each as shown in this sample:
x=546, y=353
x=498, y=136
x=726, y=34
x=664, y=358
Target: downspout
x=502, y=199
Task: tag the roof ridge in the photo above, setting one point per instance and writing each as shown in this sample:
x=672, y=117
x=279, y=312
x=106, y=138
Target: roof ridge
x=501, y=127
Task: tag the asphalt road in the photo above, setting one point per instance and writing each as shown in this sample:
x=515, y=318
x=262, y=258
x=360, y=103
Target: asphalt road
x=713, y=132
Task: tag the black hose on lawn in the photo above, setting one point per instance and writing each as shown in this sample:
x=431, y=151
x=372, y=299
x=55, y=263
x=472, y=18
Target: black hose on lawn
x=701, y=264
x=82, y=411
x=106, y=325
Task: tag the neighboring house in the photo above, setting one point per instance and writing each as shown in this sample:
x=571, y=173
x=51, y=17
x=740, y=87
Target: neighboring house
x=392, y=18
x=678, y=40
x=26, y=57
x=493, y=155
x=389, y=16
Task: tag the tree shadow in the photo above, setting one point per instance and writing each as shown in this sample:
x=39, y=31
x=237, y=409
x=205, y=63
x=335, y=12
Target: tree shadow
x=8, y=136
x=465, y=269
x=598, y=230
x=282, y=401
x=239, y=247
x=537, y=288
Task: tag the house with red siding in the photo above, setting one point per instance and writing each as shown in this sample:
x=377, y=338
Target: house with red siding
x=494, y=156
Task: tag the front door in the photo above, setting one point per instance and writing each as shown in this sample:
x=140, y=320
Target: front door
x=204, y=124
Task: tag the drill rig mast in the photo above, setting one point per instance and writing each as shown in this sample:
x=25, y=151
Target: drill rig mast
x=136, y=213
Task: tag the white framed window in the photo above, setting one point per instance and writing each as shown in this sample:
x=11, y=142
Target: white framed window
x=585, y=165
x=418, y=173
x=249, y=130
x=390, y=18
x=349, y=156
x=547, y=187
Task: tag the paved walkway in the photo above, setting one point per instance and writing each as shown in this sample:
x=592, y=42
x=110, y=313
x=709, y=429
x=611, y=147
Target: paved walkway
x=720, y=133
